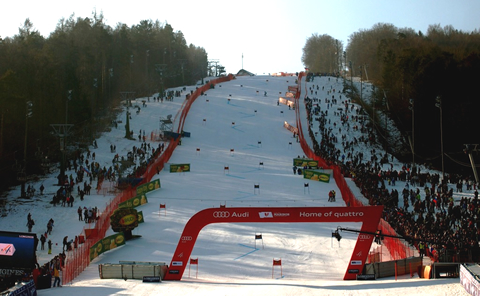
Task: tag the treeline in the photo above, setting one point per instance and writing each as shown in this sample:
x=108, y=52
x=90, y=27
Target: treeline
x=418, y=78
x=77, y=76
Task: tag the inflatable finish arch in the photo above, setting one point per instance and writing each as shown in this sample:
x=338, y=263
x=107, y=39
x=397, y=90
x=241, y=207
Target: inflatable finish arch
x=369, y=216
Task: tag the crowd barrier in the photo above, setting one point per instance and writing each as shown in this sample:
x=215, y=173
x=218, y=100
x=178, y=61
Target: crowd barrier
x=395, y=246
x=78, y=259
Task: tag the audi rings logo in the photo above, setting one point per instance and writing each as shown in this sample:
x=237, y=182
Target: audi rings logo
x=364, y=236
x=221, y=214
x=186, y=238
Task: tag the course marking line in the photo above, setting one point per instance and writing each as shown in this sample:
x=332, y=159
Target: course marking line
x=242, y=245
x=245, y=196
x=235, y=128
x=233, y=176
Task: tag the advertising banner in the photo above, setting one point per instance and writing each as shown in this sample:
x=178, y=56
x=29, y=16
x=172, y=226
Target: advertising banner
x=290, y=127
x=302, y=162
x=140, y=217
x=134, y=202
x=107, y=244
x=179, y=168
x=287, y=102
x=147, y=187
x=316, y=175
x=22, y=289
x=469, y=280
x=17, y=253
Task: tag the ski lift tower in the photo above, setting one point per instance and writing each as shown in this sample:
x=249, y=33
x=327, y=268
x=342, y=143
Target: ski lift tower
x=62, y=131
x=166, y=124
x=161, y=70
x=127, y=97
x=166, y=127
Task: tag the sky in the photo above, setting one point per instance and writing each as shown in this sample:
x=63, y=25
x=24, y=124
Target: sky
x=234, y=115
x=269, y=34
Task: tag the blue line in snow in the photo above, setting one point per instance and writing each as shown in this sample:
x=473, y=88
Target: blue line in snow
x=245, y=196
x=250, y=247
x=247, y=115
x=234, y=176
x=251, y=171
x=255, y=249
x=235, y=128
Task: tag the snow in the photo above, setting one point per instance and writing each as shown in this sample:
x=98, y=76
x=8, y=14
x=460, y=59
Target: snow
x=231, y=261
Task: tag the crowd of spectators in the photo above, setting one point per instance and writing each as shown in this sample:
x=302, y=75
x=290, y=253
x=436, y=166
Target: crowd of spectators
x=81, y=172
x=424, y=212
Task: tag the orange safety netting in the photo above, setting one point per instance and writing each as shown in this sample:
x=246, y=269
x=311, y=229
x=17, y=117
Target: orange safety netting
x=78, y=259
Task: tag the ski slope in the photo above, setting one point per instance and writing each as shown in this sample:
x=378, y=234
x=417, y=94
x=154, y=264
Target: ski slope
x=235, y=125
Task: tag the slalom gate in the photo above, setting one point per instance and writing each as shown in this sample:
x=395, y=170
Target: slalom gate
x=368, y=216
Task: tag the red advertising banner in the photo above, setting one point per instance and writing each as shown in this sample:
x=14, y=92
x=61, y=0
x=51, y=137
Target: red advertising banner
x=369, y=216
x=293, y=88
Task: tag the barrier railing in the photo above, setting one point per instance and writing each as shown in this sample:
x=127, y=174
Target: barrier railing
x=78, y=259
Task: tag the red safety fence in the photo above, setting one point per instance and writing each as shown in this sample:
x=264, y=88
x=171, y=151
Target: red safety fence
x=396, y=248
x=78, y=259
x=347, y=195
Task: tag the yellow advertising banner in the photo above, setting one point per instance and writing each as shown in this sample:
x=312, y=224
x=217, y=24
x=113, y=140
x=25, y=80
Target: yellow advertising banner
x=179, y=168
x=107, y=244
x=302, y=162
x=147, y=187
x=134, y=202
x=140, y=217
x=316, y=175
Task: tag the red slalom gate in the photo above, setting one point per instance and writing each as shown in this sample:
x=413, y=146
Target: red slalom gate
x=369, y=216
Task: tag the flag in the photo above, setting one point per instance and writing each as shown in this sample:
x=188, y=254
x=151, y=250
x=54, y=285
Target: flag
x=86, y=170
x=265, y=214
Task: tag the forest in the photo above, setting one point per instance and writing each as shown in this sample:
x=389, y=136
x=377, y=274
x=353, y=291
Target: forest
x=425, y=82
x=77, y=77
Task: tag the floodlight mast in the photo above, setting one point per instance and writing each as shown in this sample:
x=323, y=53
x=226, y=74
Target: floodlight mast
x=469, y=148
x=62, y=131
x=23, y=176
